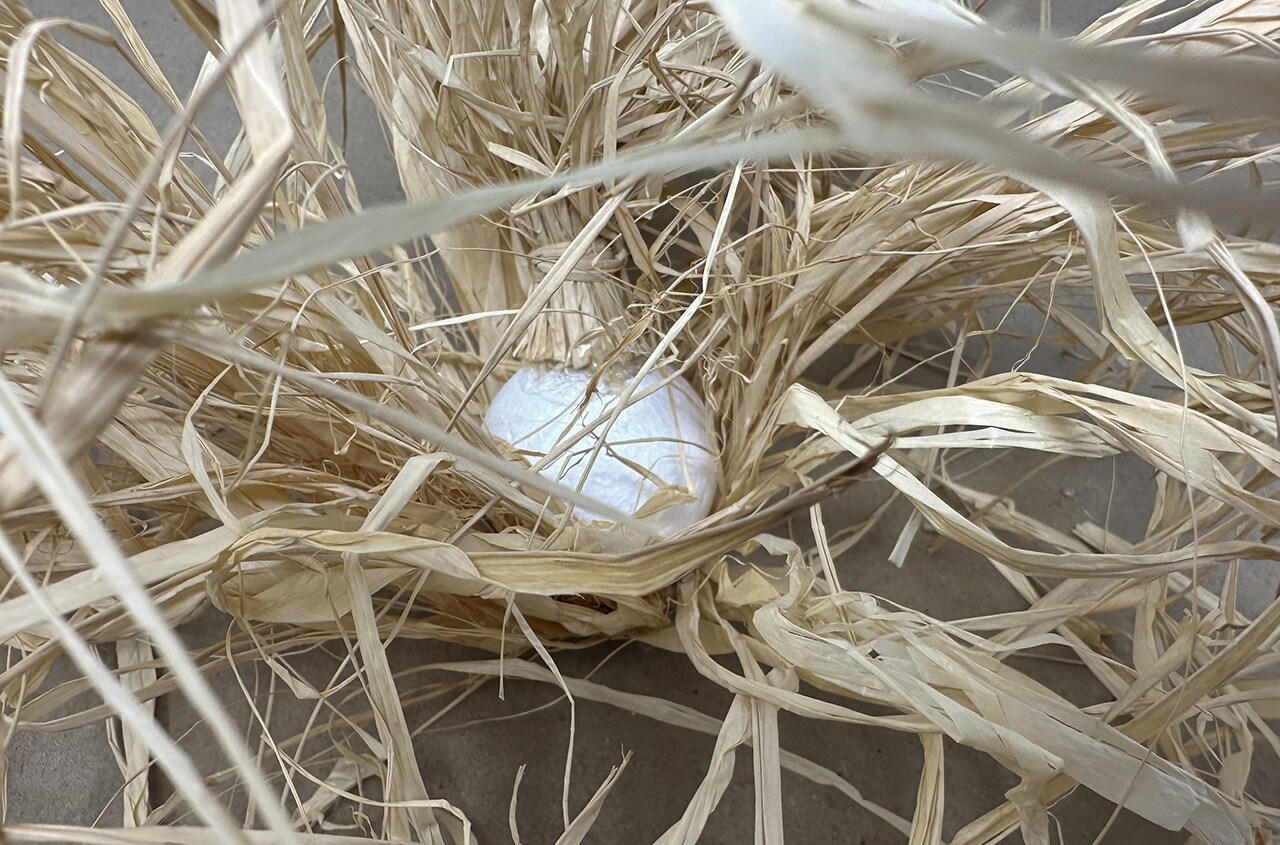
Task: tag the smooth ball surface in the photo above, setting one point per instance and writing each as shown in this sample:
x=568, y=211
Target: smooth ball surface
x=665, y=433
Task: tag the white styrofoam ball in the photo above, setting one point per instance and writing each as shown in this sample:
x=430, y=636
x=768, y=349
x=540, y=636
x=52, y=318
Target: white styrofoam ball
x=665, y=433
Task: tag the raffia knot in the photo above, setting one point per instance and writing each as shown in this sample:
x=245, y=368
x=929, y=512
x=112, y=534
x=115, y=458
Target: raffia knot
x=598, y=264
x=585, y=319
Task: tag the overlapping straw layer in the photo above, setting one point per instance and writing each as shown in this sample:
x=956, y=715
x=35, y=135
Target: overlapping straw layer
x=247, y=391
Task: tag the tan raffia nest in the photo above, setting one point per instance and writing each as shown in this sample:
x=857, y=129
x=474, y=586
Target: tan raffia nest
x=260, y=396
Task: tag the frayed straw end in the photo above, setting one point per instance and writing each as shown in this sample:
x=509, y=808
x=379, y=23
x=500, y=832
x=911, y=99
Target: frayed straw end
x=585, y=322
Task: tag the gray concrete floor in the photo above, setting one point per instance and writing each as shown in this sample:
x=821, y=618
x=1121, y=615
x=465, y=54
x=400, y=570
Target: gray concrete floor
x=471, y=759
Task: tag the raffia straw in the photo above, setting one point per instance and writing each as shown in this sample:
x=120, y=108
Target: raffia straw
x=271, y=357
